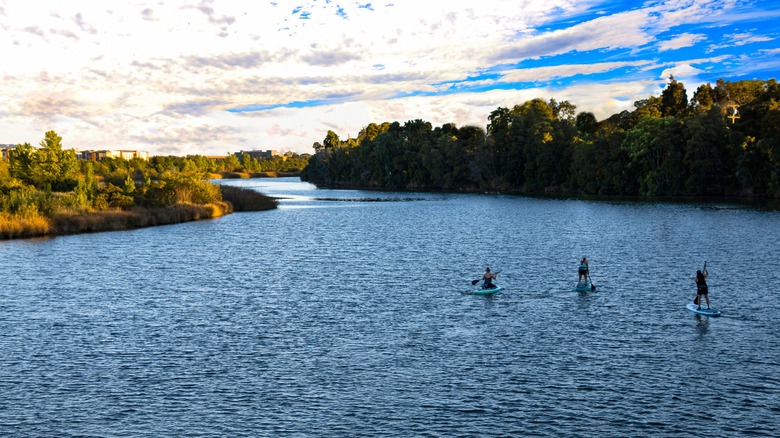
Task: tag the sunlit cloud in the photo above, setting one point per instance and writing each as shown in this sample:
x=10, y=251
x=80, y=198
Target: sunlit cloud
x=680, y=41
x=207, y=77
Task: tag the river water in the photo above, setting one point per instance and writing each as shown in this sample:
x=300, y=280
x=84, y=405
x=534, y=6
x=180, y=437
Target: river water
x=347, y=313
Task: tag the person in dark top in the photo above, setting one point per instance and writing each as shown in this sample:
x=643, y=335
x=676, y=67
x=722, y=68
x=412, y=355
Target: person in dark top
x=582, y=271
x=488, y=279
x=701, y=287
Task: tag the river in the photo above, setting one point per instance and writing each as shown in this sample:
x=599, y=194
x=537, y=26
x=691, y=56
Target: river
x=348, y=313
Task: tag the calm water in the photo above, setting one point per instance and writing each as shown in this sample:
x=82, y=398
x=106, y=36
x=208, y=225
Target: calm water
x=346, y=313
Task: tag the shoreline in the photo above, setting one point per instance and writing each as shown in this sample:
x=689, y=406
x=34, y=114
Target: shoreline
x=67, y=222
x=763, y=203
x=247, y=175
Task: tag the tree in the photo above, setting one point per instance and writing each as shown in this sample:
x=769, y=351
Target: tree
x=49, y=167
x=21, y=160
x=586, y=123
x=656, y=155
x=674, y=99
x=331, y=141
x=499, y=146
x=535, y=122
x=703, y=98
x=650, y=107
x=709, y=167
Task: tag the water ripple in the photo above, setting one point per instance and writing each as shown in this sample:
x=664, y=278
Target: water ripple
x=328, y=318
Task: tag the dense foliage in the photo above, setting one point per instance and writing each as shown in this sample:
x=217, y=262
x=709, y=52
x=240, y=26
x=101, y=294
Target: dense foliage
x=47, y=190
x=724, y=142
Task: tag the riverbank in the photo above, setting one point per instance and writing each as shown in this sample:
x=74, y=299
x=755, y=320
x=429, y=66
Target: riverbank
x=246, y=175
x=34, y=224
x=751, y=201
x=14, y=226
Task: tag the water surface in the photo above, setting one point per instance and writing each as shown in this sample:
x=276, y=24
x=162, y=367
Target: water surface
x=348, y=313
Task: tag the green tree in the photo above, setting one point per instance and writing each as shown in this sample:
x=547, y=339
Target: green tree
x=709, y=166
x=331, y=141
x=52, y=166
x=674, y=99
x=20, y=162
x=656, y=155
x=703, y=98
x=586, y=123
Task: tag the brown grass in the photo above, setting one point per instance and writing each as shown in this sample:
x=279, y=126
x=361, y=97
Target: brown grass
x=14, y=226
x=246, y=199
x=235, y=175
x=73, y=222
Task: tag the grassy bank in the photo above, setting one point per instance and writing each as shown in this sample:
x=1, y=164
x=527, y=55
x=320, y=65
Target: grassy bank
x=244, y=175
x=74, y=222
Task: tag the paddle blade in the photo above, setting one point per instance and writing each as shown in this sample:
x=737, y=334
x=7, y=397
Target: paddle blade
x=592, y=286
x=473, y=282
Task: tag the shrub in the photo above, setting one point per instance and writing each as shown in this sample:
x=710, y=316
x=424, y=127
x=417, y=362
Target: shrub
x=246, y=199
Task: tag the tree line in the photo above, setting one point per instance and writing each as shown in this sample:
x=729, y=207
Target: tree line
x=721, y=143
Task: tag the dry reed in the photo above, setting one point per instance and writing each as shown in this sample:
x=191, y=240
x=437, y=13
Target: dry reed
x=246, y=199
x=15, y=226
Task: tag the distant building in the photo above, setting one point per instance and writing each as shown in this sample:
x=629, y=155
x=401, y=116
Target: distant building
x=258, y=155
x=4, y=148
x=125, y=153
x=89, y=155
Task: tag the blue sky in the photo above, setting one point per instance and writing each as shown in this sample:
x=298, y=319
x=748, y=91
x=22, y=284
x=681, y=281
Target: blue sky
x=212, y=77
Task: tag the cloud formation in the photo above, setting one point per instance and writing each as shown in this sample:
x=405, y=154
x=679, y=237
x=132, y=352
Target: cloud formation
x=208, y=77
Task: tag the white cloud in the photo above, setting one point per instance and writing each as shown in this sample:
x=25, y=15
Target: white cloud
x=560, y=71
x=606, y=32
x=161, y=76
x=740, y=39
x=680, y=41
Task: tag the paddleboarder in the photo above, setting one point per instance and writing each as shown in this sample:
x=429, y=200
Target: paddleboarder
x=488, y=278
x=582, y=271
x=701, y=287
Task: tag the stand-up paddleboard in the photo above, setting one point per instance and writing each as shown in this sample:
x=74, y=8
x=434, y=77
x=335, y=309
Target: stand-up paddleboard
x=585, y=286
x=703, y=311
x=489, y=291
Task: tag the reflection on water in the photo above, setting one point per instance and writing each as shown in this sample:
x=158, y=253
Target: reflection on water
x=331, y=318
x=703, y=324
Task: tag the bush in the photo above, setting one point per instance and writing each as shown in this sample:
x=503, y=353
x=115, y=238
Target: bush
x=247, y=200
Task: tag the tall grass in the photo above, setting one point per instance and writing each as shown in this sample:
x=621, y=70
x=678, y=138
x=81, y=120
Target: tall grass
x=235, y=175
x=72, y=222
x=16, y=226
x=246, y=199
